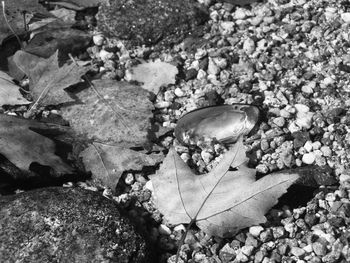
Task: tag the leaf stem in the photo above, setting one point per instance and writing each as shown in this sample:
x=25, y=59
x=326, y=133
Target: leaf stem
x=9, y=26
x=182, y=240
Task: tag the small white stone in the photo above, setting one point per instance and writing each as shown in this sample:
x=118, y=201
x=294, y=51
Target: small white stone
x=247, y=250
x=206, y=156
x=316, y=145
x=179, y=92
x=200, y=53
x=326, y=151
x=213, y=69
x=309, y=88
x=308, y=248
x=309, y=158
x=255, y=230
x=292, y=127
x=345, y=17
x=308, y=146
x=227, y=27
x=105, y=55
x=249, y=46
x=201, y=74
x=149, y=185
x=129, y=179
x=241, y=257
x=220, y=62
x=240, y=14
x=279, y=121
x=162, y=104
x=164, y=230
x=302, y=108
x=98, y=39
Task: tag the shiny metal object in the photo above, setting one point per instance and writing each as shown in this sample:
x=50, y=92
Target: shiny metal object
x=225, y=123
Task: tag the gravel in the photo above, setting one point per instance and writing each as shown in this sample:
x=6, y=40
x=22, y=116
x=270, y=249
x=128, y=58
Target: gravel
x=291, y=58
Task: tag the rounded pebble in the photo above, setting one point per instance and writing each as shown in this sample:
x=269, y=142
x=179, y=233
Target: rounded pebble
x=308, y=158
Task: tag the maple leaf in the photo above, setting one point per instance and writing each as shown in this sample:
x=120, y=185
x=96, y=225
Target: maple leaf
x=116, y=112
x=108, y=162
x=47, y=79
x=9, y=93
x=153, y=75
x=221, y=202
x=22, y=146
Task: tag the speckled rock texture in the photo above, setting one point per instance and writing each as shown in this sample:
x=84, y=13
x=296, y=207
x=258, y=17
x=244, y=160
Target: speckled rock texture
x=66, y=225
x=148, y=22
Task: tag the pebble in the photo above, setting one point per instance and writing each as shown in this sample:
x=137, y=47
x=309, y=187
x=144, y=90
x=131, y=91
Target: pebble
x=251, y=241
x=279, y=121
x=309, y=158
x=259, y=256
x=255, y=230
x=164, y=230
x=326, y=151
x=249, y=46
x=278, y=232
x=179, y=92
x=200, y=53
x=227, y=27
x=105, y=55
x=162, y=104
x=308, y=146
x=345, y=17
x=227, y=253
x=213, y=69
x=247, y=250
x=241, y=257
x=98, y=39
x=319, y=248
x=297, y=251
x=129, y=179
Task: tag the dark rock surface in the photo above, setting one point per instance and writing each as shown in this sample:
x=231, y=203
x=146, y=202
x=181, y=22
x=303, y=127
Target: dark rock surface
x=66, y=225
x=148, y=22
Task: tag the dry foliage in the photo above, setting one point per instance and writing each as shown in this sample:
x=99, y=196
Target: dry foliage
x=9, y=91
x=22, y=146
x=222, y=201
x=107, y=162
x=47, y=80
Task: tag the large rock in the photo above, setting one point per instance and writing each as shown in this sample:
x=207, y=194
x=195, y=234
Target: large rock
x=148, y=22
x=66, y=225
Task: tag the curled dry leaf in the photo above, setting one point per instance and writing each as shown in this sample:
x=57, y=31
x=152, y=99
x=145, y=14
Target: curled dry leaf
x=108, y=162
x=9, y=91
x=22, y=146
x=153, y=75
x=47, y=80
x=222, y=201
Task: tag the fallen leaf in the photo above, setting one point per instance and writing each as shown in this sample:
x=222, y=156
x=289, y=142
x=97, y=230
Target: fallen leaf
x=221, y=202
x=107, y=162
x=120, y=113
x=153, y=75
x=47, y=79
x=15, y=10
x=22, y=146
x=77, y=4
x=57, y=36
x=9, y=91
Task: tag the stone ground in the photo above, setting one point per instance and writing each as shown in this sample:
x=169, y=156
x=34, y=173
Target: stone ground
x=291, y=59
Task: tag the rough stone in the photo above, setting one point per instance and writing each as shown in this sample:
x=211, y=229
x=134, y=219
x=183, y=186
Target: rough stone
x=66, y=225
x=141, y=22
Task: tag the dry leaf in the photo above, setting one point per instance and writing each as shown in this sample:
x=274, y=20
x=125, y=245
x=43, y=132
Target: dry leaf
x=22, y=146
x=222, y=201
x=153, y=75
x=47, y=80
x=120, y=114
x=107, y=162
x=57, y=35
x=77, y=4
x=15, y=10
x=9, y=93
